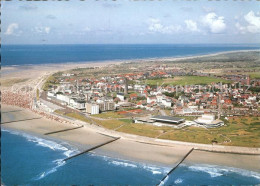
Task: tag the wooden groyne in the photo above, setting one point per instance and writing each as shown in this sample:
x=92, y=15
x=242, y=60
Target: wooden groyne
x=162, y=180
x=64, y=130
x=19, y=120
x=92, y=148
x=11, y=111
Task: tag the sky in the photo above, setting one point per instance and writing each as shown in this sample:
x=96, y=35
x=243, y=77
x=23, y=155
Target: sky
x=130, y=22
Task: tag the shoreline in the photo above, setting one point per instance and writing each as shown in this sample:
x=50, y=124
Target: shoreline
x=128, y=147
x=79, y=64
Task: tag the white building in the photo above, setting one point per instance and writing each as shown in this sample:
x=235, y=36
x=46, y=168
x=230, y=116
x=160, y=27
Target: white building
x=159, y=98
x=92, y=108
x=50, y=94
x=206, y=118
x=151, y=99
x=120, y=96
x=63, y=97
x=209, y=121
x=167, y=102
x=77, y=104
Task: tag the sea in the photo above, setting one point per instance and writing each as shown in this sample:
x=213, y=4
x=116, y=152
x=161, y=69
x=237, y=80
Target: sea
x=12, y=55
x=28, y=159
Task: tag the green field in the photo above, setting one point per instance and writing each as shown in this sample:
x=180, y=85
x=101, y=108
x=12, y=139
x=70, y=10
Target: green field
x=186, y=80
x=107, y=115
x=109, y=124
x=74, y=115
x=241, y=132
x=255, y=75
x=143, y=129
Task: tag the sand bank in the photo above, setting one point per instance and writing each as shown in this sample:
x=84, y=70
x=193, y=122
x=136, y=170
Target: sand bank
x=32, y=71
x=129, y=147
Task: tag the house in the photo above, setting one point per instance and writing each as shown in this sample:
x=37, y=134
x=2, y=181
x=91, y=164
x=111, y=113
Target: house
x=120, y=96
x=167, y=102
x=151, y=99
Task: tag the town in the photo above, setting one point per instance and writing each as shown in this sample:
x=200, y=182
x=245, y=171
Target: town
x=206, y=99
x=158, y=94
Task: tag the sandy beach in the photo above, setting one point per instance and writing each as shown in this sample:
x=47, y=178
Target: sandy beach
x=130, y=147
x=39, y=70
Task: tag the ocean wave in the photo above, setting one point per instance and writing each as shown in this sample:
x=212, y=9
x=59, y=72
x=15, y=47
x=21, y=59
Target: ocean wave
x=177, y=181
x=216, y=171
x=126, y=163
x=163, y=182
x=66, y=148
x=58, y=163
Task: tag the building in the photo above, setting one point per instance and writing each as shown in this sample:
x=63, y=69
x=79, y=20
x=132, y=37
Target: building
x=151, y=99
x=167, y=102
x=167, y=120
x=161, y=121
x=60, y=96
x=209, y=121
x=79, y=104
x=106, y=106
x=120, y=96
x=92, y=108
x=126, y=86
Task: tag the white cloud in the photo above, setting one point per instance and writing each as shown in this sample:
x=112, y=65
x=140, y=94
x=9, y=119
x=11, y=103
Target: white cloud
x=208, y=9
x=41, y=29
x=155, y=25
x=191, y=25
x=240, y=28
x=47, y=30
x=11, y=29
x=215, y=23
x=252, y=23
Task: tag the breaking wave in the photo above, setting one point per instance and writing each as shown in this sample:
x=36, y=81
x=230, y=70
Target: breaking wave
x=215, y=170
x=126, y=163
x=63, y=147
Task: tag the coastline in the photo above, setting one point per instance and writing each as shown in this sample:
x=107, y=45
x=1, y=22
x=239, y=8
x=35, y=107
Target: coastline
x=54, y=67
x=128, y=147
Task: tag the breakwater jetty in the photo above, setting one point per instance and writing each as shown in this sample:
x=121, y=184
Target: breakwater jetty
x=64, y=130
x=163, y=179
x=20, y=120
x=92, y=148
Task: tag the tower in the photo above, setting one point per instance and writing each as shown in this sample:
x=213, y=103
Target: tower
x=126, y=86
x=248, y=80
x=219, y=101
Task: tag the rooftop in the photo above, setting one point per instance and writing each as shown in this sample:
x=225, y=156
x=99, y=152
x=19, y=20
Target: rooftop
x=167, y=118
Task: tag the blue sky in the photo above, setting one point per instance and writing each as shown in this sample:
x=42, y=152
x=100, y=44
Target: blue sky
x=127, y=21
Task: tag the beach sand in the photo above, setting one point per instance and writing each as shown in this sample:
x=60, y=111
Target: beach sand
x=124, y=148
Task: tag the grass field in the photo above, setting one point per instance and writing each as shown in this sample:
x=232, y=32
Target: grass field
x=78, y=117
x=107, y=115
x=239, y=131
x=74, y=115
x=110, y=124
x=143, y=129
x=186, y=80
x=255, y=75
